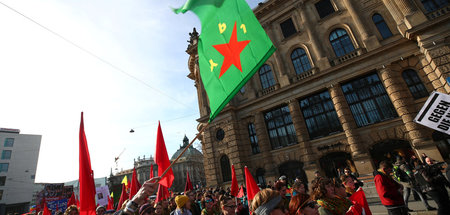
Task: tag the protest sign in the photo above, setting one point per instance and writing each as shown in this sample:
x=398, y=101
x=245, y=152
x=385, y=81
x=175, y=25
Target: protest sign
x=102, y=194
x=435, y=113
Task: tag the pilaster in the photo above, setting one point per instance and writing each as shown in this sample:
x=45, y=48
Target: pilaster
x=264, y=144
x=306, y=153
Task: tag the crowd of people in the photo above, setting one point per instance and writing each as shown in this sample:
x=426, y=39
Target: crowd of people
x=327, y=196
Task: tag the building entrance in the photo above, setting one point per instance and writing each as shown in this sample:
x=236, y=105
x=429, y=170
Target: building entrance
x=334, y=163
x=389, y=150
x=292, y=169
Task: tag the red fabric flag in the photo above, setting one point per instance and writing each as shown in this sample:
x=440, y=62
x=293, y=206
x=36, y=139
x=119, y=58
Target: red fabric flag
x=188, y=185
x=163, y=193
x=77, y=200
x=241, y=192
x=123, y=197
x=46, y=211
x=110, y=204
x=234, y=184
x=86, y=176
x=151, y=171
x=72, y=200
x=162, y=160
x=252, y=187
x=135, y=186
x=360, y=198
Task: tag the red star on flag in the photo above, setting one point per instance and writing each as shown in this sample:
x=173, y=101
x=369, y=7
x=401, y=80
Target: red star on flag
x=231, y=52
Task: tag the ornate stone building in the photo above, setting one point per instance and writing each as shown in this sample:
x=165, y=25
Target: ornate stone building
x=342, y=89
x=191, y=161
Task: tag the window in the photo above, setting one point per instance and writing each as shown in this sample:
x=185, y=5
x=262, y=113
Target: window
x=381, y=26
x=280, y=128
x=288, y=28
x=324, y=8
x=34, y=176
x=432, y=5
x=341, y=43
x=414, y=83
x=320, y=116
x=226, y=169
x=300, y=61
x=266, y=77
x=368, y=100
x=6, y=154
x=2, y=180
x=220, y=134
x=253, y=138
x=1, y=194
x=260, y=176
x=4, y=167
x=9, y=142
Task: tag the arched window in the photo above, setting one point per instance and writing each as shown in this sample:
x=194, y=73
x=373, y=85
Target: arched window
x=300, y=61
x=381, y=26
x=414, y=83
x=432, y=5
x=226, y=169
x=341, y=43
x=253, y=138
x=266, y=76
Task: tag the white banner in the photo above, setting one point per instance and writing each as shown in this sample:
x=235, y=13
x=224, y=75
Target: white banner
x=435, y=113
x=102, y=194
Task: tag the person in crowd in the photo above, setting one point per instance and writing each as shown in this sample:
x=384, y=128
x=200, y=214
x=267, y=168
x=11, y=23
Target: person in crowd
x=354, y=176
x=147, y=209
x=227, y=205
x=349, y=184
x=165, y=205
x=281, y=188
x=195, y=208
x=341, y=193
x=267, y=202
x=389, y=190
x=298, y=187
x=100, y=210
x=296, y=202
x=283, y=179
x=242, y=209
x=317, y=176
x=414, y=161
x=433, y=182
x=405, y=176
x=323, y=191
x=183, y=205
x=158, y=208
x=72, y=210
x=208, y=205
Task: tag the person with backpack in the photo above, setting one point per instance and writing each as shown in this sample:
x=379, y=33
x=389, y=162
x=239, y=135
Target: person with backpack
x=404, y=175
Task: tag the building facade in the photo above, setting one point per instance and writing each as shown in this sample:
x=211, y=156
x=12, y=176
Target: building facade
x=18, y=162
x=191, y=161
x=342, y=90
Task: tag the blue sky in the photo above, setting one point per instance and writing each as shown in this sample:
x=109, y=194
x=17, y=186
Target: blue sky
x=46, y=81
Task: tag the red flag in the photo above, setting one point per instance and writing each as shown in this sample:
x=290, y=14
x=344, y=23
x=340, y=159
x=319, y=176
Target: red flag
x=162, y=160
x=123, y=197
x=72, y=200
x=252, y=187
x=151, y=171
x=241, y=192
x=110, y=204
x=188, y=185
x=86, y=176
x=360, y=198
x=234, y=184
x=46, y=211
x=163, y=193
x=77, y=200
x=135, y=186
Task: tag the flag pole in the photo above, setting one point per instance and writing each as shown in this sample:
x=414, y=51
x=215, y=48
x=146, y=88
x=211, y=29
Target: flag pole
x=181, y=154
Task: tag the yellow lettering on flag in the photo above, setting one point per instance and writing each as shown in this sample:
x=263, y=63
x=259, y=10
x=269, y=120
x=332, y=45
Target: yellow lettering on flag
x=222, y=27
x=243, y=28
x=125, y=181
x=212, y=64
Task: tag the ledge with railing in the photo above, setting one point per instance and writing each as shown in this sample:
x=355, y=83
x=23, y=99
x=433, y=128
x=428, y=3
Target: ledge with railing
x=351, y=55
x=439, y=12
x=268, y=90
x=306, y=74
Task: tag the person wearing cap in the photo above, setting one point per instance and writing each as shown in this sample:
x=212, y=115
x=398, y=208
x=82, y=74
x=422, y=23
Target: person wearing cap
x=283, y=179
x=100, y=210
x=268, y=202
x=183, y=205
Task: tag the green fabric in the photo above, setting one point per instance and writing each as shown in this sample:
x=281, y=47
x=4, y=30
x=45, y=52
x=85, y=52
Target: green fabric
x=221, y=20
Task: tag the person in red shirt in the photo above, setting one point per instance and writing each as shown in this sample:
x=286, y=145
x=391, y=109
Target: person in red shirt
x=389, y=190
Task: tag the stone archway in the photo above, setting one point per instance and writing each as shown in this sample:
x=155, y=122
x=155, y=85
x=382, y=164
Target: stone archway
x=292, y=169
x=334, y=163
x=389, y=150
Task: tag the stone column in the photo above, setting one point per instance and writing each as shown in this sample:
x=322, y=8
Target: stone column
x=264, y=144
x=404, y=104
x=317, y=49
x=411, y=15
x=351, y=7
x=406, y=6
x=208, y=159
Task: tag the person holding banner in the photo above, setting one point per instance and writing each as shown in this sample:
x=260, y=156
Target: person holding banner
x=147, y=189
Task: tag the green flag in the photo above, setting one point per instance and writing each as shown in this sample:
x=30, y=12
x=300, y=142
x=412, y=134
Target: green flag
x=232, y=46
